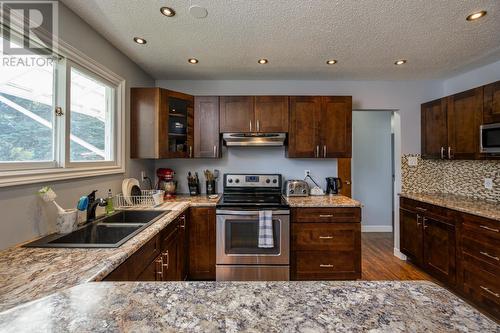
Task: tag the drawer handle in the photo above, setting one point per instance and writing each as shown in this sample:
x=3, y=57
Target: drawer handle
x=490, y=292
x=489, y=256
x=488, y=228
x=325, y=237
x=326, y=215
x=420, y=209
x=326, y=266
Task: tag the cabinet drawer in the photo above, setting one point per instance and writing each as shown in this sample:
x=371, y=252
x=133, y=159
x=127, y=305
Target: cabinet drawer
x=429, y=210
x=483, y=228
x=480, y=246
x=325, y=236
x=338, y=214
x=482, y=283
x=326, y=265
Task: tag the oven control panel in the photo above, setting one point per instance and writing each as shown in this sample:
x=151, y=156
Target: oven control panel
x=242, y=180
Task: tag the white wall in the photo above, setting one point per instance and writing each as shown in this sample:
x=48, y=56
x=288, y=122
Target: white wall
x=252, y=160
x=372, y=168
x=24, y=216
x=471, y=79
x=405, y=96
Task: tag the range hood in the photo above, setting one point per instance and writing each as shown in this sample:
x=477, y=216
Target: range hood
x=254, y=139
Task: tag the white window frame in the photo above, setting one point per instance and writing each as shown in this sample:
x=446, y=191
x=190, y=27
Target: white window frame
x=18, y=173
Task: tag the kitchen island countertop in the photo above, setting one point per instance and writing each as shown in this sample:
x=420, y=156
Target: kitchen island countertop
x=327, y=201
x=312, y=306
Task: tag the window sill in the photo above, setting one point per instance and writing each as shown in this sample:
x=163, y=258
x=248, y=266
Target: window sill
x=14, y=178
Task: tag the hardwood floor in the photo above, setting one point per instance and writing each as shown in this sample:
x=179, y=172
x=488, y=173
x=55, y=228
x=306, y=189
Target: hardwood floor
x=379, y=263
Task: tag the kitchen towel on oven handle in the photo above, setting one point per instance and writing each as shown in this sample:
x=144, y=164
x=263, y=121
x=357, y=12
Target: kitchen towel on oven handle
x=266, y=229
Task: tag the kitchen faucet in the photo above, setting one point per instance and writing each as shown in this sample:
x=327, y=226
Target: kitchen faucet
x=93, y=203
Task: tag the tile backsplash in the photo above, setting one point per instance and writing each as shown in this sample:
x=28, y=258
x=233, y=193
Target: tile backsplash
x=458, y=177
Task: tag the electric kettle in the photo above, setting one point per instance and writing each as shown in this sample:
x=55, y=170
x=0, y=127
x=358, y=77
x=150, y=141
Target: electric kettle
x=333, y=184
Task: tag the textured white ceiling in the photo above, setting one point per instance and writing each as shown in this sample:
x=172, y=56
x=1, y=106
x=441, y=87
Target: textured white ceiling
x=298, y=36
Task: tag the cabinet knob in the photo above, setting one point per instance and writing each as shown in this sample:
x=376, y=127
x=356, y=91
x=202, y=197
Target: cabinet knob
x=258, y=126
x=450, y=154
x=250, y=125
x=166, y=261
x=442, y=153
x=324, y=151
x=317, y=151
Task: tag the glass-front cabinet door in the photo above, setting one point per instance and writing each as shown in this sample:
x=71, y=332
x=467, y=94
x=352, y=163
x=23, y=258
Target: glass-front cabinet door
x=176, y=131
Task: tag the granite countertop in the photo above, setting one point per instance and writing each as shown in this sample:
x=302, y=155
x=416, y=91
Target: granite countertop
x=30, y=273
x=201, y=200
x=463, y=204
x=322, y=201
x=306, y=306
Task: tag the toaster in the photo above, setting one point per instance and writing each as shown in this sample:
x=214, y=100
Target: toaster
x=296, y=188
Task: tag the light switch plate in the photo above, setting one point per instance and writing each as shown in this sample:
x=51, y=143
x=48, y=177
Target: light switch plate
x=488, y=183
x=412, y=161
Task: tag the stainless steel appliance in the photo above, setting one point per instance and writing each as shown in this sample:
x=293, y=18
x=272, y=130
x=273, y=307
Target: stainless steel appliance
x=333, y=185
x=490, y=138
x=254, y=139
x=296, y=188
x=238, y=256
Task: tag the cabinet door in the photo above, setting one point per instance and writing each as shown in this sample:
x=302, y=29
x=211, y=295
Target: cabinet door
x=434, y=129
x=410, y=235
x=492, y=103
x=464, y=118
x=145, y=109
x=237, y=114
x=271, y=114
x=206, y=127
x=201, y=233
x=153, y=272
x=303, y=138
x=176, y=124
x=182, y=249
x=336, y=127
x=439, y=250
x=169, y=257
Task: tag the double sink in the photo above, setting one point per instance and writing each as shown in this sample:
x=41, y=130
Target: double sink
x=107, y=232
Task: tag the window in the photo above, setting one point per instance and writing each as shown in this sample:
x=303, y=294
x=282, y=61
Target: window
x=60, y=117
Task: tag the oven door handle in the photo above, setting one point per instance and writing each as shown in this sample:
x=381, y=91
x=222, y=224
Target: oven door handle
x=249, y=212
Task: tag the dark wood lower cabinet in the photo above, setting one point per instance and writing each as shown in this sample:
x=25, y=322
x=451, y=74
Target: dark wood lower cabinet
x=160, y=259
x=202, y=243
x=458, y=249
x=327, y=246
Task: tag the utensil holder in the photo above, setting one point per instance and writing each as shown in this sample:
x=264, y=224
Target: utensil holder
x=67, y=222
x=211, y=187
x=194, y=189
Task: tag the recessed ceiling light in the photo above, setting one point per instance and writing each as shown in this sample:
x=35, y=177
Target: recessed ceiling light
x=263, y=61
x=193, y=60
x=140, y=40
x=400, y=62
x=331, y=62
x=475, y=16
x=167, y=11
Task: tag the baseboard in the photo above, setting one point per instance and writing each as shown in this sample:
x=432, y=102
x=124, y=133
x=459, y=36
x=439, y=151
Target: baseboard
x=398, y=254
x=376, y=228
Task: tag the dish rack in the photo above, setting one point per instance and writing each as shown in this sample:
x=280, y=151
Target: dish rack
x=147, y=199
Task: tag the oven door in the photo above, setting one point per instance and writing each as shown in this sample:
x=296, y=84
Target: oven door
x=238, y=234
x=490, y=138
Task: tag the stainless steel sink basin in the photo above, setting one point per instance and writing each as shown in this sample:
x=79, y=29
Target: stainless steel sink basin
x=109, y=231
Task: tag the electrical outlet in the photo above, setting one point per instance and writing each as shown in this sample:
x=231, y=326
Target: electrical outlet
x=307, y=173
x=143, y=175
x=412, y=161
x=488, y=183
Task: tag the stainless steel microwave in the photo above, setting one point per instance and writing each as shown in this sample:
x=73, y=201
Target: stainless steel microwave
x=490, y=138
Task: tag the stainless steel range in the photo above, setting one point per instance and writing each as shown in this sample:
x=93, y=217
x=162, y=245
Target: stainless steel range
x=239, y=256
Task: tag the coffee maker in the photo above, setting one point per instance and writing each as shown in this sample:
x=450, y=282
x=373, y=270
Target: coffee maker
x=166, y=182
x=333, y=185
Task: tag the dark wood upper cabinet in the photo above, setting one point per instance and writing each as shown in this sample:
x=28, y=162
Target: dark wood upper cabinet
x=320, y=126
x=161, y=123
x=206, y=127
x=465, y=112
x=491, y=106
x=434, y=128
x=202, y=240
x=303, y=134
x=336, y=127
x=237, y=114
x=271, y=114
